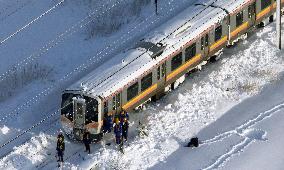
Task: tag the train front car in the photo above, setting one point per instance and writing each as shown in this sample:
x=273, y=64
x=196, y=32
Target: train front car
x=79, y=113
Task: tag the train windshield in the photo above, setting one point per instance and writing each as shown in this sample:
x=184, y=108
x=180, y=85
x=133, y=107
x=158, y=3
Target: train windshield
x=67, y=105
x=91, y=114
x=91, y=110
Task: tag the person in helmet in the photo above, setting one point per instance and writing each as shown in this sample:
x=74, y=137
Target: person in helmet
x=125, y=126
x=117, y=131
x=123, y=115
x=60, y=147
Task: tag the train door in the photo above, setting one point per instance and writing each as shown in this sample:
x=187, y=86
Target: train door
x=79, y=107
x=205, y=46
x=161, y=80
x=252, y=13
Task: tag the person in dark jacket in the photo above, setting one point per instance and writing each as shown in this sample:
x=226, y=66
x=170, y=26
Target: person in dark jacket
x=123, y=115
x=60, y=147
x=193, y=142
x=87, y=141
x=125, y=126
x=108, y=123
x=117, y=131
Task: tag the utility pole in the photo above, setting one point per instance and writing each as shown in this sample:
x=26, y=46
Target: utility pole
x=278, y=23
x=156, y=4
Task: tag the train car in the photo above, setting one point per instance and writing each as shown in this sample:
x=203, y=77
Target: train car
x=158, y=62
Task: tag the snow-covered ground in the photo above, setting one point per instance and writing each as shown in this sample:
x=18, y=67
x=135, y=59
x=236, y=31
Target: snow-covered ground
x=235, y=105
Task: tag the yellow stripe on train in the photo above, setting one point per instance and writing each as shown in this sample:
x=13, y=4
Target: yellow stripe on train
x=264, y=12
x=183, y=67
x=239, y=29
x=140, y=97
x=218, y=43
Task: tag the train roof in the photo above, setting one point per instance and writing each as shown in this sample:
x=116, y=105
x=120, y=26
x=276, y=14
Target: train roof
x=125, y=68
x=231, y=5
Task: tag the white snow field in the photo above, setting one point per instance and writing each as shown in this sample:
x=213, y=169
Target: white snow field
x=235, y=105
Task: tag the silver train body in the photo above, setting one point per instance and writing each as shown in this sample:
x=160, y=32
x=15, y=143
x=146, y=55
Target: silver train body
x=159, y=62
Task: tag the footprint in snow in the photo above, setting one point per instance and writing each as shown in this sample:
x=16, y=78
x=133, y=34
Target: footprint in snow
x=254, y=134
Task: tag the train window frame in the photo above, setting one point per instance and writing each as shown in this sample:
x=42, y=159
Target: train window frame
x=202, y=43
x=158, y=73
x=163, y=69
x=113, y=103
x=265, y=3
x=206, y=40
x=91, y=111
x=67, y=105
x=251, y=10
x=132, y=91
x=239, y=18
x=218, y=32
x=190, y=52
x=118, y=100
x=106, y=107
x=146, y=81
x=176, y=61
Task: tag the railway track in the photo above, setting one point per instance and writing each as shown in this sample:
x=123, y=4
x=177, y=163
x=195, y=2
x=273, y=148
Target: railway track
x=4, y=15
x=88, y=64
x=108, y=50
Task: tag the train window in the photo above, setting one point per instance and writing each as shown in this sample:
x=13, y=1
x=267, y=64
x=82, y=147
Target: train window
x=218, y=33
x=113, y=103
x=106, y=107
x=158, y=73
x=132, y=91
x=239, y=19
x=91, y=110
x=67, y=105
x=206, y=40
x=176, y=61
x=163, y=69
x=265, y=4
x=118, y=100
x=251, y=10
x=146, y=82
x=202, y=43
x=190, y=52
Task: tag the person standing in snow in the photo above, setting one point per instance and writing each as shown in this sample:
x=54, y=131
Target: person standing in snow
x=107, y=124
x=117, y=131
x=60, y=147
x=125, y=126
x=87, y=141
x=123, y=115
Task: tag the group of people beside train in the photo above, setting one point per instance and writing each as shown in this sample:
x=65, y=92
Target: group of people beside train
x=119, y=124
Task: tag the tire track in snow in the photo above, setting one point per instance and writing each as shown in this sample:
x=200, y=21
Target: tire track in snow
x=246, y=125
x=240, y=132
x=235, y=149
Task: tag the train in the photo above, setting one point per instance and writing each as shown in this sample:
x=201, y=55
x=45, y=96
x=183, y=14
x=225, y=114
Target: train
x=159, y=62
